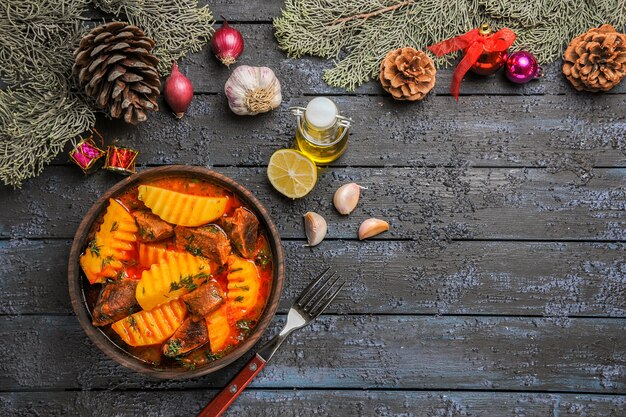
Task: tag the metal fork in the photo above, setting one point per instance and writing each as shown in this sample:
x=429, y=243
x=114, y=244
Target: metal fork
x=311, y=303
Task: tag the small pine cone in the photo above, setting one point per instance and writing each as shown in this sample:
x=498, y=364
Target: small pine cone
x=407, y=74
x=115, y=66
x=596, y=60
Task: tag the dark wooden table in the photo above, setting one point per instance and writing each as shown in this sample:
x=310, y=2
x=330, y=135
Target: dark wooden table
x=500, y=289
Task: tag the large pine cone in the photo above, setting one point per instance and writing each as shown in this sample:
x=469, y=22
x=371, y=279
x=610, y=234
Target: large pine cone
x=115, y=66
x=407, y=74
x=596, y=60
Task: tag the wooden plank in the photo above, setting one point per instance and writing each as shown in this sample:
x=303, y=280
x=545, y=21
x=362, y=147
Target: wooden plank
x=559, y=132
x=304, y=76
x=395, y=352
x=556, y=280
x=266, y=403
x=427, y=205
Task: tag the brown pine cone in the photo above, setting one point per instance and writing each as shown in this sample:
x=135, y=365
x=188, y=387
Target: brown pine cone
x=596, y=60
x=407, y=74
x=115, y=65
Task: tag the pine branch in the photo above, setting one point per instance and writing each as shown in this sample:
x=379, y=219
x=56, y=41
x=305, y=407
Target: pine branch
x=358, y=35
x=366, y=16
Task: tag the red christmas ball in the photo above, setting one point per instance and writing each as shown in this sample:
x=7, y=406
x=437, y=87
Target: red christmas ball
x=489, y=63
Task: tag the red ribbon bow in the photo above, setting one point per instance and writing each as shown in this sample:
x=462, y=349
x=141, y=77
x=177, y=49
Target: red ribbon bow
x=475, y=44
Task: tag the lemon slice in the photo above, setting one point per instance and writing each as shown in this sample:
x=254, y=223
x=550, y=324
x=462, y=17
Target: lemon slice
x=292, y=173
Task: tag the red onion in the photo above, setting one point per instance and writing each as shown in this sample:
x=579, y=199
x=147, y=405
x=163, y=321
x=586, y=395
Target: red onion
x=178, y=91
x=227, y=44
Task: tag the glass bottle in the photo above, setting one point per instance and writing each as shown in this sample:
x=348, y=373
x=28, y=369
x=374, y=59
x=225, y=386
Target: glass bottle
x=321, y=133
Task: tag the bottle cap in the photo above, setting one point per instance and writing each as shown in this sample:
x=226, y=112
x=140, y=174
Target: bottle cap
x=321, y=113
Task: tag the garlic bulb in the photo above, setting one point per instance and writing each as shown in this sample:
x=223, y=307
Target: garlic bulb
x=252, y=90
x=315, y=228
x=347, y=197
x=372, y=227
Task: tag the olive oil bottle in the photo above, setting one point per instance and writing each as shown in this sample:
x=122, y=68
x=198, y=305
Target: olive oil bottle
x=321, y=134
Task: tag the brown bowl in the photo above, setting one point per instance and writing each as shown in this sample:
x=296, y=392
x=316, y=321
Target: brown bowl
x=78, y=283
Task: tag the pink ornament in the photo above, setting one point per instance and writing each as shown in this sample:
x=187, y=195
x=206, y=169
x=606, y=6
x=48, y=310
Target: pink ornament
x=522, y=67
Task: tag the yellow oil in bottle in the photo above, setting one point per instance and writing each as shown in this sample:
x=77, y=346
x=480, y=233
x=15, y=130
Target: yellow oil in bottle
x=321, y=151
x=322, y=134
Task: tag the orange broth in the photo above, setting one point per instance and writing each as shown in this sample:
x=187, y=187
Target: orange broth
x=239, y=329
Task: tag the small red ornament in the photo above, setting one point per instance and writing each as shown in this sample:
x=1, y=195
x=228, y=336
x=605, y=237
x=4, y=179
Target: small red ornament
x=489, y=62
x=86, y=153
x=485, y=52
x=121, y=160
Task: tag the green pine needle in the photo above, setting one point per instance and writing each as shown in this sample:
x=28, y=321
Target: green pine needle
x=337, y=28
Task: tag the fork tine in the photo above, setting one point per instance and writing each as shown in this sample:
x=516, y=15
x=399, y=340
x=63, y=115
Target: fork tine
x=308, y=289
x=316, y=300
x=323, y=284
x=327, y=303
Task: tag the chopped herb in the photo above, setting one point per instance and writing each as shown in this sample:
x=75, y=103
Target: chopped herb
x=235, y=270
x=106, y=261
x=212, y=356
x=239, y=299
x=147, y=233
x=94, y=248
x=245, y=325
x=120, y=275
x=262, y=258
x=211, y=228
x=189, y=365
x=143, y=290
x=114, y=226
x=194, y=250
x=132, y=322
x=173, y=347
x=104, y=318
x=243, y=287
x=110, y=280
x=188, y=281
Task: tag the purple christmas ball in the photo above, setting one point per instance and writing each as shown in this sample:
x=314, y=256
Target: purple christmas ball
x=522, y=67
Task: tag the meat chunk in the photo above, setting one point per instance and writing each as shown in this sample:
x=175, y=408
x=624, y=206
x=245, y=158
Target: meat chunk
x=209, y=241
x=151, y=227
x=116, y=301
x=204, y=299
x=243, y=229
x=189, y=336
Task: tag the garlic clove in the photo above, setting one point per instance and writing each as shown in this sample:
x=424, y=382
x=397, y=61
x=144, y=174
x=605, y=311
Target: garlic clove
x=315, y=228
x=372, y=227
x=347, y=197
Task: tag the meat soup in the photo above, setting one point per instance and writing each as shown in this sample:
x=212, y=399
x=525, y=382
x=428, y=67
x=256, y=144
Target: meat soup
x=178, y=271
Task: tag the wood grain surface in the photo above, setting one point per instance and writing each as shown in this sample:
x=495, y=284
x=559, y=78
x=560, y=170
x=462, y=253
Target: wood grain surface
x=500, y=289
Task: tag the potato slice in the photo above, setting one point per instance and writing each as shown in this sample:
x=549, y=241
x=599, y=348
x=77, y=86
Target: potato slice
x=112, y=243
x=182, y=209
x=169, y=279
x=151, y=327
x=244, y=284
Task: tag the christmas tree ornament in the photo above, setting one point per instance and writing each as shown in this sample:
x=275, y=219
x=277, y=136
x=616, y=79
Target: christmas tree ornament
x=489, y=62
x=178, y=92
x=86, y=154
x=407, y=74
x=121, y=160
x=522, y=67
x=115, y=66
x=596, y=60
x=354, y=36
x=477, y=43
